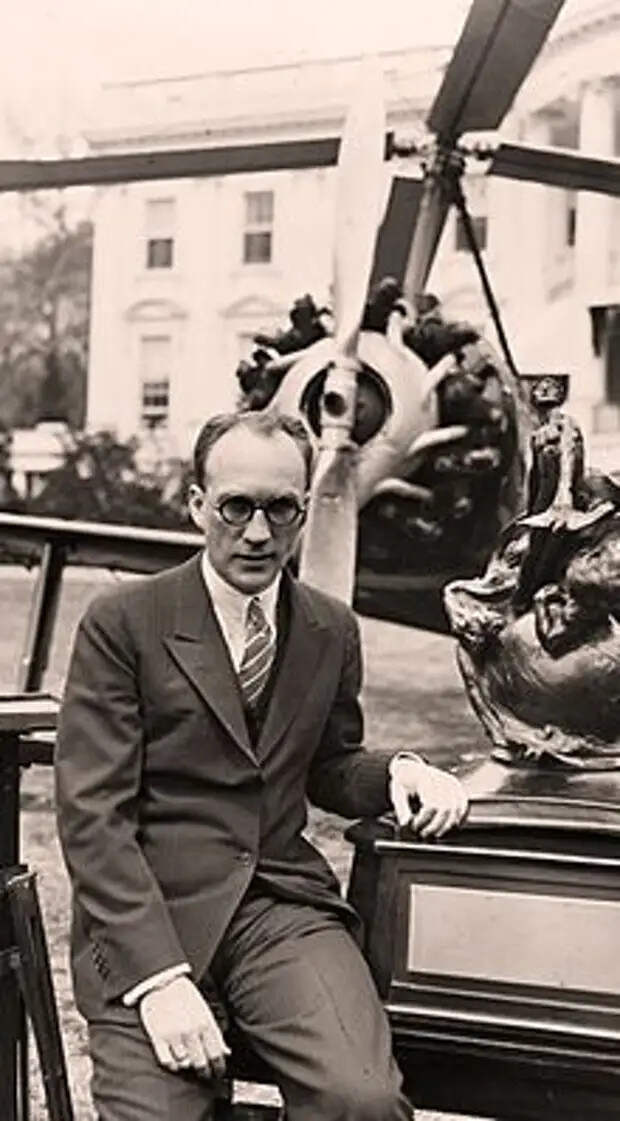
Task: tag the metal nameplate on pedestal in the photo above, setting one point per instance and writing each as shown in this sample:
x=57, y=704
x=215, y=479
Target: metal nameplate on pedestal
x=491, y=927
x=514, y=937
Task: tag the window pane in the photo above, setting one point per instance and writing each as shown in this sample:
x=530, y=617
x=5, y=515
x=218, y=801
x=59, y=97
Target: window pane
x=258, y=208
x=155, y=403
x=159, y=253
x=257, y=247
x=479, y=224
x=155, y=394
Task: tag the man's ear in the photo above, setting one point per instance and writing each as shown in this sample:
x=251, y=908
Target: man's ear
x=196, y=504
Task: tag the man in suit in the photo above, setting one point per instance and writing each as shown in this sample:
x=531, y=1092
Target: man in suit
x=203, y=706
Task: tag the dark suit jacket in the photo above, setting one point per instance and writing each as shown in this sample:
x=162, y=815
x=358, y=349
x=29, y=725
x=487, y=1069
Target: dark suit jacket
x=166, y=809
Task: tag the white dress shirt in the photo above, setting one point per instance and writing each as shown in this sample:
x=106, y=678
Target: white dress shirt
x=231, y=609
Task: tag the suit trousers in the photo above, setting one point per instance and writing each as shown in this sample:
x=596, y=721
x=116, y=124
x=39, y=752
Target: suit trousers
x=295, y=982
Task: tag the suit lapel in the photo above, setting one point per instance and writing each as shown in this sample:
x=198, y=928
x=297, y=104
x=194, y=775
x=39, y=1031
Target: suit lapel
x=304, y=647
x=200, y=652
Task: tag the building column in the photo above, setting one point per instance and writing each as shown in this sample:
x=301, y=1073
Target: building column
x=518, y=236
x=594, y=213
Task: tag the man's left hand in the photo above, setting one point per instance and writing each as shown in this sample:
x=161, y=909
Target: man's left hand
x=442, y=798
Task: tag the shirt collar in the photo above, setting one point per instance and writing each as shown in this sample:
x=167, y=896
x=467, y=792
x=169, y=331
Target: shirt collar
x=232, y=603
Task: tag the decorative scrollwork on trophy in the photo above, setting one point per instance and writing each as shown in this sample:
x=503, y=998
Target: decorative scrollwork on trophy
x=539, y=632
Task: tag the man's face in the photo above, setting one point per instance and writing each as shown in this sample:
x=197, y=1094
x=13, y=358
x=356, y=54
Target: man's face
x=261, y=468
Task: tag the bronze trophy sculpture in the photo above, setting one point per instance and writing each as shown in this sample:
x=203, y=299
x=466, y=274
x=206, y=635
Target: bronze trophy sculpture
x=539, y=632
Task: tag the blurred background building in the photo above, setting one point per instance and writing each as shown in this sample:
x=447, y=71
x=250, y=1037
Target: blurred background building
x=185, y=272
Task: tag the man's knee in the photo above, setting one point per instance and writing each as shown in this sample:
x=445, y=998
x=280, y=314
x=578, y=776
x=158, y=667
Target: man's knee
x=129, y=1085
x=364, y=1097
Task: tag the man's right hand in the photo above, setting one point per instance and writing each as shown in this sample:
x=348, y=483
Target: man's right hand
x=183, y=1030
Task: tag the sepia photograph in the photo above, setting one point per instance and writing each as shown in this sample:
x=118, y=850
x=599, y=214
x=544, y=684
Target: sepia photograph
x=310, y=561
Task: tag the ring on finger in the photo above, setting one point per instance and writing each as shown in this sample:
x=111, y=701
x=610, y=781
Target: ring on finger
x=180, y=1055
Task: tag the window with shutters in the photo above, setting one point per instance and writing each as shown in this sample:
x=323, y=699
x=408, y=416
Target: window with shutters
x=479, y=224
x=160, y=229
x=258, y=227
x=155, y=362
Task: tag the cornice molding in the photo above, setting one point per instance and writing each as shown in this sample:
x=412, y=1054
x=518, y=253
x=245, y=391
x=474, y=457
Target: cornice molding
x=387, y=57
x=194, y=133
x=602, y=18
x=584, y=52
x=407, y=110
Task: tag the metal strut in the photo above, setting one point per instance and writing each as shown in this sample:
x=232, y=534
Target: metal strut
x=461, y=204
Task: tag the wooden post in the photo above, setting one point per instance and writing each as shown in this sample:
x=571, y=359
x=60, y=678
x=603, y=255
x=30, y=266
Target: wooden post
x=42, y=618
x=35, y=981
x=18, y=714
x=11, y=1034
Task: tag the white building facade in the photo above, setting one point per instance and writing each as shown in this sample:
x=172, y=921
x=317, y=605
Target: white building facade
x=185, y=272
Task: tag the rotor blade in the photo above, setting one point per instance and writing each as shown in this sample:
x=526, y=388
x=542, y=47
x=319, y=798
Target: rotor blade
x=497, y=47
x=432, y=216
x=19, y=175
x=329, y=545
x=330, y=539
x=361, y=179
x=557, y=168
x=396, y=230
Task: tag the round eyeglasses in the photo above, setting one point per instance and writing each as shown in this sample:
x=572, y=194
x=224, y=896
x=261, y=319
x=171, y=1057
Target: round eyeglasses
x=239, y=509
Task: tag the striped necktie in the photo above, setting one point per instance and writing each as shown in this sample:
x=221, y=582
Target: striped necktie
x=258, y=655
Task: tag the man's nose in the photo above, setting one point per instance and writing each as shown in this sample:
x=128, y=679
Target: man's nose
x=258, y=528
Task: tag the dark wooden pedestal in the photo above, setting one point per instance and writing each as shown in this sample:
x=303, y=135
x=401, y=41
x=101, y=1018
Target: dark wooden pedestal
x=497, y=949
